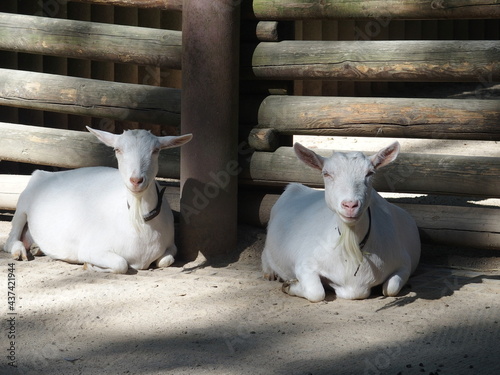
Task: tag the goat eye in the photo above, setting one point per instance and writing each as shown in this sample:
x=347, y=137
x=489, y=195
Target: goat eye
x=370, y=173
x=326, y=174
x=118, y=151
x=156, y=151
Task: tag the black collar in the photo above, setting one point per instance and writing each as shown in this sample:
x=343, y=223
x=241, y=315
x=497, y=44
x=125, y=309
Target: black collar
x=365, y=238
x=156, y=211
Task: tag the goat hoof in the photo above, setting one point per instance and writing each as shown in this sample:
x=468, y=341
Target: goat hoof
x=166, y=261
x=285, y=288
x=36, y=251
x=270, y=276
x=20, y=255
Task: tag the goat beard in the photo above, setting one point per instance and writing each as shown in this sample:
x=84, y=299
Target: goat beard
x=135, y=214
x=350, y=246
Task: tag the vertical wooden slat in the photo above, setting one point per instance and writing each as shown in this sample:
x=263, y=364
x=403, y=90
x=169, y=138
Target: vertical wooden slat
x=9, y=114
x=56, y=65
x=32, y=62
x=397, y=30
x=102, y=70
x=347, y=32
x=8, y=60
x=368, y=31
x=149, y=75
x=298, y=85
x=171, y=77
x=209, y=166
x=381, y=31
x=461, y=30
x=330, y=31
x=126, y=73
x=78, y=67
x=312, y=30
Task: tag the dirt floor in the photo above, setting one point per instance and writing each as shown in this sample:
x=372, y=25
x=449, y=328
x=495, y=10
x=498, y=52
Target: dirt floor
x=225, y=319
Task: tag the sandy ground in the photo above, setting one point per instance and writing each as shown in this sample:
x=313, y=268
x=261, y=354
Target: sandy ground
x=224, y=318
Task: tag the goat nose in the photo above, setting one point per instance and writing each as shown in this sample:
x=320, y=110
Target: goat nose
x=136, y=180
x=350, y=204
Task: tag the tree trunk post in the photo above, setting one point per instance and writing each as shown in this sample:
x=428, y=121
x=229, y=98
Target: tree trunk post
x=209, y=107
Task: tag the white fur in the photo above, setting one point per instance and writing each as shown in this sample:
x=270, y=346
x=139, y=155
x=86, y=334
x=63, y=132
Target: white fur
x=81, y=215
x=303, y=245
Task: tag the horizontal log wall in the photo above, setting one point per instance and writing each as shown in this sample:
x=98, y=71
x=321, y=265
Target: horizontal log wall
x=68, y=149
x=154, y=4
x=383, y=117
x=90, y=40
x=460, y=226
x=429, y=60
x=383, y=9
x=87, y=97
x=11, y=187
x=410, y=173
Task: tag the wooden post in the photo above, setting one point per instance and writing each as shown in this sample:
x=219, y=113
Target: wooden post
x=209, y=107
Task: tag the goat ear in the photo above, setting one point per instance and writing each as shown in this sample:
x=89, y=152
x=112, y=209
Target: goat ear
x=170, y=142
x=385, y=156
x=108, y=139
x=309, y=157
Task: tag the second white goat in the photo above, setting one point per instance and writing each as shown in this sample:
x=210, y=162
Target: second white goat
x=108, y=219
x=346, y=236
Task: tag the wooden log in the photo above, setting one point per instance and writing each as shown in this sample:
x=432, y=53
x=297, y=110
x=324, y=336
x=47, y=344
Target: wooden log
x=90, y=40
x=450, y=225
x=424, y=60
x=460, y=226
x=155, y=4
x=267, y=31
x=67, y=149
x=383, y=117
x=11, y=186
x=87, y=97
x=264, y=139
x=410, y=173
x=209, y=167
x=381, y=10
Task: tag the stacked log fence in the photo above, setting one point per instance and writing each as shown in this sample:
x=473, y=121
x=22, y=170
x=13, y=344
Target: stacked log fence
x=349, y=85
x=322, y=68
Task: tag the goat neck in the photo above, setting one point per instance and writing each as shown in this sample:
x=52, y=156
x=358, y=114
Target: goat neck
x=352, y=238
x=140, y=205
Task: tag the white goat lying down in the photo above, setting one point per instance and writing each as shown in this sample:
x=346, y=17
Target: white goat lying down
x=347, y=236
x=109, y=219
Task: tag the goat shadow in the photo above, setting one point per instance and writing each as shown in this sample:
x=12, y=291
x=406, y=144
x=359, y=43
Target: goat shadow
x=433, y=282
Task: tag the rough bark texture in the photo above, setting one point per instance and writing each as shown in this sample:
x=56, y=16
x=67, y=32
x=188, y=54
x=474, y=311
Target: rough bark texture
x=90, y=40
x=378, y=9
x=424, y=60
